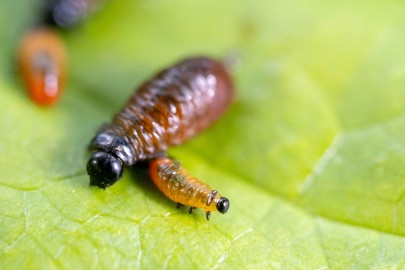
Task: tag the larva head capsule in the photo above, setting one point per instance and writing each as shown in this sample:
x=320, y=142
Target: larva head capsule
x=223, y=205
x=104, y=169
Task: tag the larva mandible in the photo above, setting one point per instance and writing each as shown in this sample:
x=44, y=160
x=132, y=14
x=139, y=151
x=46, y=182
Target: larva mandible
x=42, y=64
x=177, y=184
x=173, y=106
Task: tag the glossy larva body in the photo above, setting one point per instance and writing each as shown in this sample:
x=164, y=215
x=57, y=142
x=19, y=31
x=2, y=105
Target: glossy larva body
x=172, y=107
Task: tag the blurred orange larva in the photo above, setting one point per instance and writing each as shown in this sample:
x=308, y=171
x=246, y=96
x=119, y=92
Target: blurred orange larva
x=42, y=64
x=179, y=186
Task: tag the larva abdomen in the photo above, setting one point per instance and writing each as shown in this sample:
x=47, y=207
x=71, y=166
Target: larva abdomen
x=173, y=106
x=179, y=186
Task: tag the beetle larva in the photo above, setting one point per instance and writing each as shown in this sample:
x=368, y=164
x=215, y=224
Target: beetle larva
x=177, y=184
x=175, y=105
x=42, y=63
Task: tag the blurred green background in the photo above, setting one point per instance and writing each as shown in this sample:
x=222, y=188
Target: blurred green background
x=310, y=154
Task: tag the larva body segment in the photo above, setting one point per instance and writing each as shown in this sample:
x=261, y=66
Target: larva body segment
x=42, y=63
x=173, y=106
x=179, y=186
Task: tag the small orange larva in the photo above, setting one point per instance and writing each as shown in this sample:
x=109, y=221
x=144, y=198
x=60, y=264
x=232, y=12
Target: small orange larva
x=177, y=184
x=42, y=63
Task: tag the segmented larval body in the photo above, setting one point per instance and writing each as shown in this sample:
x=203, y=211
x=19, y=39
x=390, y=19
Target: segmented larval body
x=173, y=106
x=179, y=186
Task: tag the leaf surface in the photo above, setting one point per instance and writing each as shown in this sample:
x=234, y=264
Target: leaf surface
x=310, y=154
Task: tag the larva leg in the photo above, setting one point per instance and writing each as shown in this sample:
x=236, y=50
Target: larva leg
x=179, y=205
x=207, y=215
x=191, y=210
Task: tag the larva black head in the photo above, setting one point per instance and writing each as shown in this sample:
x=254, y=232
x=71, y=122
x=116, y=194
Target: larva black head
x=104, y=169
x=223, y=205
x=108, y=141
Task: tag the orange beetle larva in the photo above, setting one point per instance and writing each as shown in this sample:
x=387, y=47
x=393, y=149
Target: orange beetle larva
x=177, y=184
x=42, y=63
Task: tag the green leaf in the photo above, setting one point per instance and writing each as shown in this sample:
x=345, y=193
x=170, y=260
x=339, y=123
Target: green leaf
x=310, y=154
